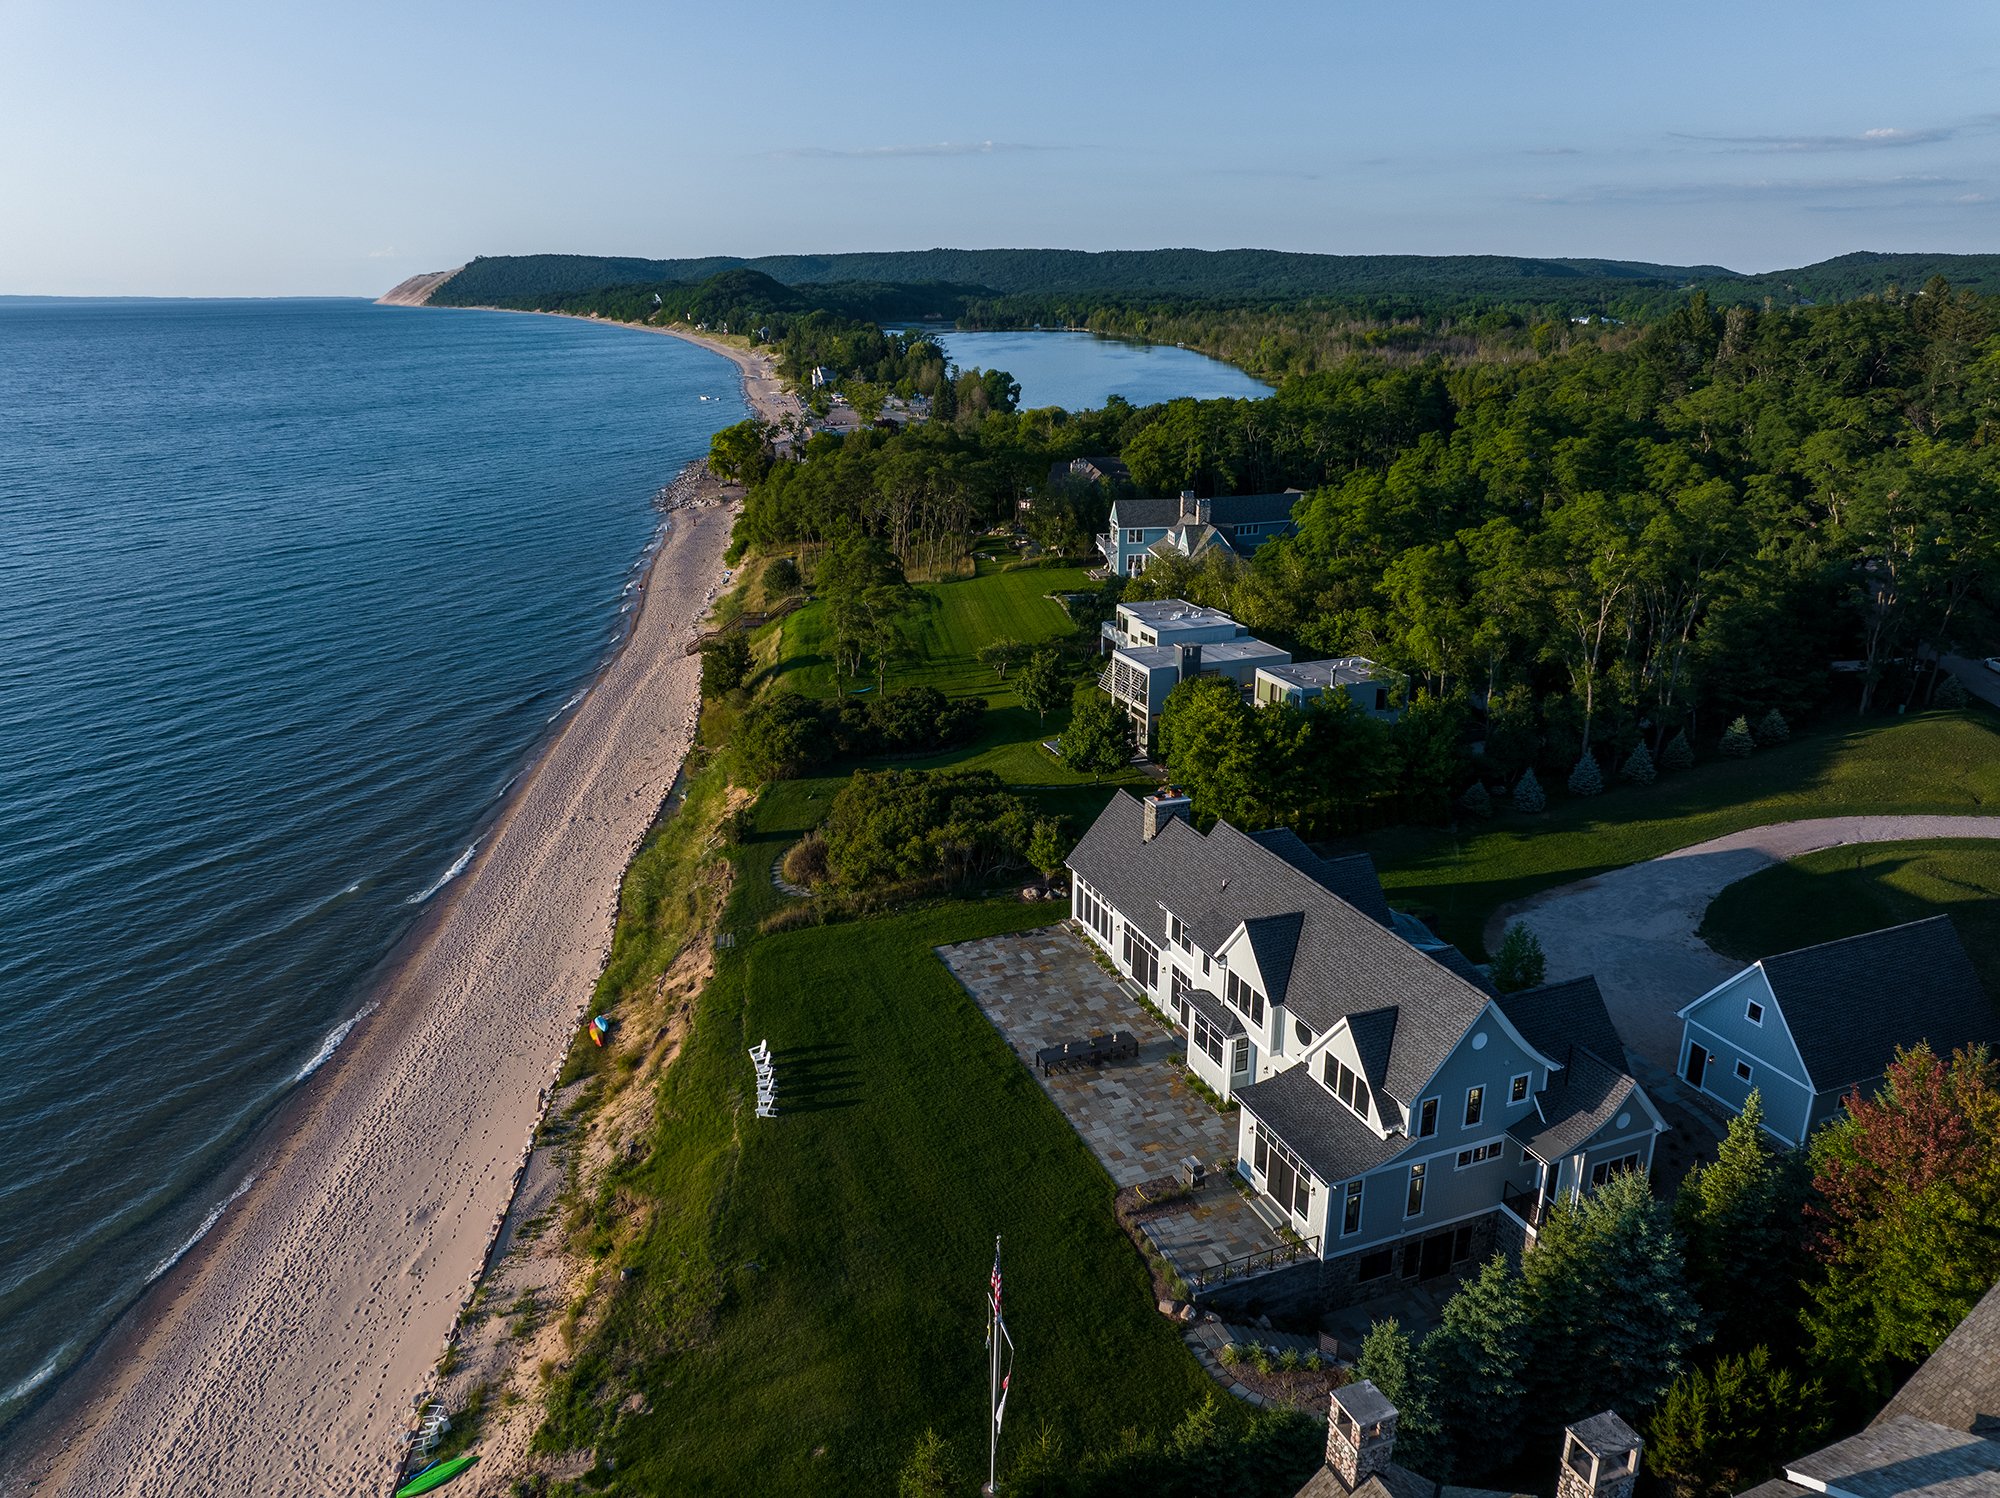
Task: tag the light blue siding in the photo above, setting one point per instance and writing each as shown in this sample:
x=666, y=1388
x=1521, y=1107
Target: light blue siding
x=1720, y=1023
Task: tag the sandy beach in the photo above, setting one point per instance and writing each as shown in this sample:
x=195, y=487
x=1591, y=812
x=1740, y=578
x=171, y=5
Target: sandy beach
x=284, y=1353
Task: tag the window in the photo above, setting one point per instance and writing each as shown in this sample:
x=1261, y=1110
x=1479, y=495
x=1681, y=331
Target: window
x=1350, y=1212
x=1381, y=699
x=1344, y=1083
x=1415, y=1205
x=1242, y=1061
x=1176, y=931
x=1427, y=1118
x=1604, y=1170
x=1742, y=1071
x=1517, y=1090
x=1247, y=1000
x=1096, y=914
x=1479, y=1154
x=1286, y=1179
x=1206, y=1037
x=1475, y=1104
x=1180, y=987
x=1303, y=1032
x=1134, y=536
x=1135, y=565
x=1375, y=1266
x=1755, y=1013
x=1141, y=960
x=1461, y=1244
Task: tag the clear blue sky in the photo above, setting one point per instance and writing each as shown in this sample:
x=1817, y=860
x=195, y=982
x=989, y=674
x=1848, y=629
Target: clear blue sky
x=289, y=146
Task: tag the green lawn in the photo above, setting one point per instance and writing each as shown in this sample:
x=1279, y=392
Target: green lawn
x=1935, y=762
x=806, y=1294
x=1846, y=891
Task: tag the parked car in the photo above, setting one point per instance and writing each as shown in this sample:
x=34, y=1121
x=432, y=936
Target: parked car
x=1993, y=662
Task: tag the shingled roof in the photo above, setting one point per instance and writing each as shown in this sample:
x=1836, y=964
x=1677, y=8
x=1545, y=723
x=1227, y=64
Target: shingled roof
x=1838, y=1005
x=1333, y=961
x=1558, y=1017
x=1334, y=1143
x=1580, y=1099
x=1224, y=509
x=1959, y=1384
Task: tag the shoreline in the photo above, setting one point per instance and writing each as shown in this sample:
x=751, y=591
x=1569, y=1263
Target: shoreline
x=373, y=1193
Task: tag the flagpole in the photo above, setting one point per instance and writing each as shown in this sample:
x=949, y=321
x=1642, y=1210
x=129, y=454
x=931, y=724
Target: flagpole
x=993, y=1379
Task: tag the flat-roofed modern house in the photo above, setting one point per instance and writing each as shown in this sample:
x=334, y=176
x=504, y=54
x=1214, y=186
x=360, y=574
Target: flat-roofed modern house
x=1372, y=688
x=1155, y=645
x=1806, y=1028
x=1141, y=528
x=1395, y=1112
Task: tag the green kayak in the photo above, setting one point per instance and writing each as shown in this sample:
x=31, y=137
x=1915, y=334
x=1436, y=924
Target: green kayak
x=435, y=1476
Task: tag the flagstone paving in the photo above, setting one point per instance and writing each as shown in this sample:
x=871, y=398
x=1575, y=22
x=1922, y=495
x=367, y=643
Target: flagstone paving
x=1139, y=1118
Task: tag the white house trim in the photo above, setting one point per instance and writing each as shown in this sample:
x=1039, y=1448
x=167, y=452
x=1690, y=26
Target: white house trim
x=1731, y=1048
x=1507, y=1028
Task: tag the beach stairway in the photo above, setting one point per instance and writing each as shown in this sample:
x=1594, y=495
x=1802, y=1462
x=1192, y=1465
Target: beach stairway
x=767, y=1079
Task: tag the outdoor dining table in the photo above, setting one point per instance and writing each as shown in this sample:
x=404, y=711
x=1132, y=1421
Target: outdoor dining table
x=1092, y=1052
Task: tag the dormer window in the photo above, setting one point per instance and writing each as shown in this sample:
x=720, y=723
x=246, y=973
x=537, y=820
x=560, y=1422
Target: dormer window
x=1344, y=1083
x=1176, y=931
x=1247, y=1000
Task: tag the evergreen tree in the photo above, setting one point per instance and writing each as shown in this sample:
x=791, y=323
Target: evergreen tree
x=1727, y=1428
x=1746, y=1208
x=1772, y=728
x=1737, y=740
x=1476, y=802
x=1473, y=1364
x=1049, y=845
x=1611, y=1319
x=1678, y=755
x=1528, y=794
x=1638, y=766
x=1387, y=1361
x=1586, y=779
x=932, y=1471
x=1520, y=962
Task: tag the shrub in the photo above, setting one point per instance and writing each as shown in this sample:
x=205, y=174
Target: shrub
x=1288, y=1360
x=805, y=860
x=1260, y=1357
x=1528, y=794
x=1678, y=755
x=903, y=827
x=1586, y=779
x=781, y=736
x=1639, y=765
x=1952, y=692
x=1230, y=1356
x=1049, y=845
x=1520, y=963
x=1476, y=802
x=1312, y=1362
x=725, y=663
x=781, y=577
x=1772, y=728
x=1737, y=742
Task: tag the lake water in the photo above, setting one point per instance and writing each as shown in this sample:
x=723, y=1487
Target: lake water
x=288, y=592
x=1080, y=371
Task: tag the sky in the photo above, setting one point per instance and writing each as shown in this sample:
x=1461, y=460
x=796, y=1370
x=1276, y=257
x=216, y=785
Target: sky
x=299, y=148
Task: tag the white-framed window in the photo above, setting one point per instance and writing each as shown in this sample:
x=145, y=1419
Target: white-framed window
x=1475, y=1106
x=1176, y=932
x=1350, y=1210
x=1302, y=1032
x=1095, y=913
x=1208, y=1040
x=1742, y=1071
x=1135, y=565
x=1754, y=1012
x=1413, y=1205
x=1242, y=1062
x=1141, y=960
x=1344, y=1082
x=1479, y=1154
x=1517, y=1089
x=1604, y=1170
x=1427, y=1118
x=1286, y=1179
x=1134, y=536
x=1178, y=987
x=1247, y=1000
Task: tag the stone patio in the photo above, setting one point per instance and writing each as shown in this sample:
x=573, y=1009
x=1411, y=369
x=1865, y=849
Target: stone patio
x=1139, y=1118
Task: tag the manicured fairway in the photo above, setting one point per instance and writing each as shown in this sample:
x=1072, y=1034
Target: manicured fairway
x=1846, y=891
x=1937, y=762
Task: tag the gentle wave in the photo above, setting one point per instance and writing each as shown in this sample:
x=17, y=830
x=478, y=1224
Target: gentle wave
x=34, y=1380
x=331, y=1044
x=565, y=708
x=214, y=1216
x=445, y=878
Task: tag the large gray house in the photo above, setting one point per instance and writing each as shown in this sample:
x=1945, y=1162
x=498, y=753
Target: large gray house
x=1396, y=1112
x=1190, y=527
x=1806, y=1028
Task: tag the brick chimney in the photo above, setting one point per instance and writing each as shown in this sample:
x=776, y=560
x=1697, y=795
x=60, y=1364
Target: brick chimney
x=1187, y=504
x=1360, y=1433
x=1600, y=1459
x=1187, y=659
x=1160, y=808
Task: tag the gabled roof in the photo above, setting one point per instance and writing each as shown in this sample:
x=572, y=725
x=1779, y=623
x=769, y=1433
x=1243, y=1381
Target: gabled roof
x=1904, y=1456
x=1316, y=1126
x=1344, y=961
x=1959, y=1384
x=1557, y=1017
x=1352, y=876
x=1224, y=509
x=1580, y=1099
x=1850, y=1003
x=1274, y=942
x=1218, y=1014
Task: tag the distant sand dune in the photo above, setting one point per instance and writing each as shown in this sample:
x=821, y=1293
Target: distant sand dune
x=416, y=292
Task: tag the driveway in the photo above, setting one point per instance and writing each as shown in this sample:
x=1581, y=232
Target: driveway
x=1634, y=928
x=1979, y=681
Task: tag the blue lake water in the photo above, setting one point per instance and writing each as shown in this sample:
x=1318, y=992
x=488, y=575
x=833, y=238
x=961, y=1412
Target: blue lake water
x=1080, y=371
x=288, y=592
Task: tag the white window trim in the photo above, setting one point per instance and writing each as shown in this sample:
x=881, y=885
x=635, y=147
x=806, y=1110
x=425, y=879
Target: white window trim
x=1358, y=1190
x=1420, y=1118
x=1756, y=1019
x=1466, y=1120
x=1493, y=1144
x=1418, y=1172
x=1745, y=1072
x=1527, y=1092
x=1725, y=1045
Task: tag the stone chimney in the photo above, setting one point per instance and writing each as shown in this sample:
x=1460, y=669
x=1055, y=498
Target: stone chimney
x=1160, y=808
x=1187, y=658
x=1204, y=510
x=1360, y=1433
x=1600, y=1459
x=1187, y=504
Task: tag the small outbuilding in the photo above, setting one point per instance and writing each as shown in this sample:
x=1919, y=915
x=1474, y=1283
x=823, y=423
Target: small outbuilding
x=1804, y=1029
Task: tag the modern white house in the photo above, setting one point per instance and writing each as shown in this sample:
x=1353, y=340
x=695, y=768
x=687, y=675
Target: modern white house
x=1396, y=1113
x=1139, y=529
x=1374, y=689
x=1805, y=1029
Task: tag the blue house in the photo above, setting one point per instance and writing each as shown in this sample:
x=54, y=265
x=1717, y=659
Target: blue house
x=1806, y=1028
x=1190, y=527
